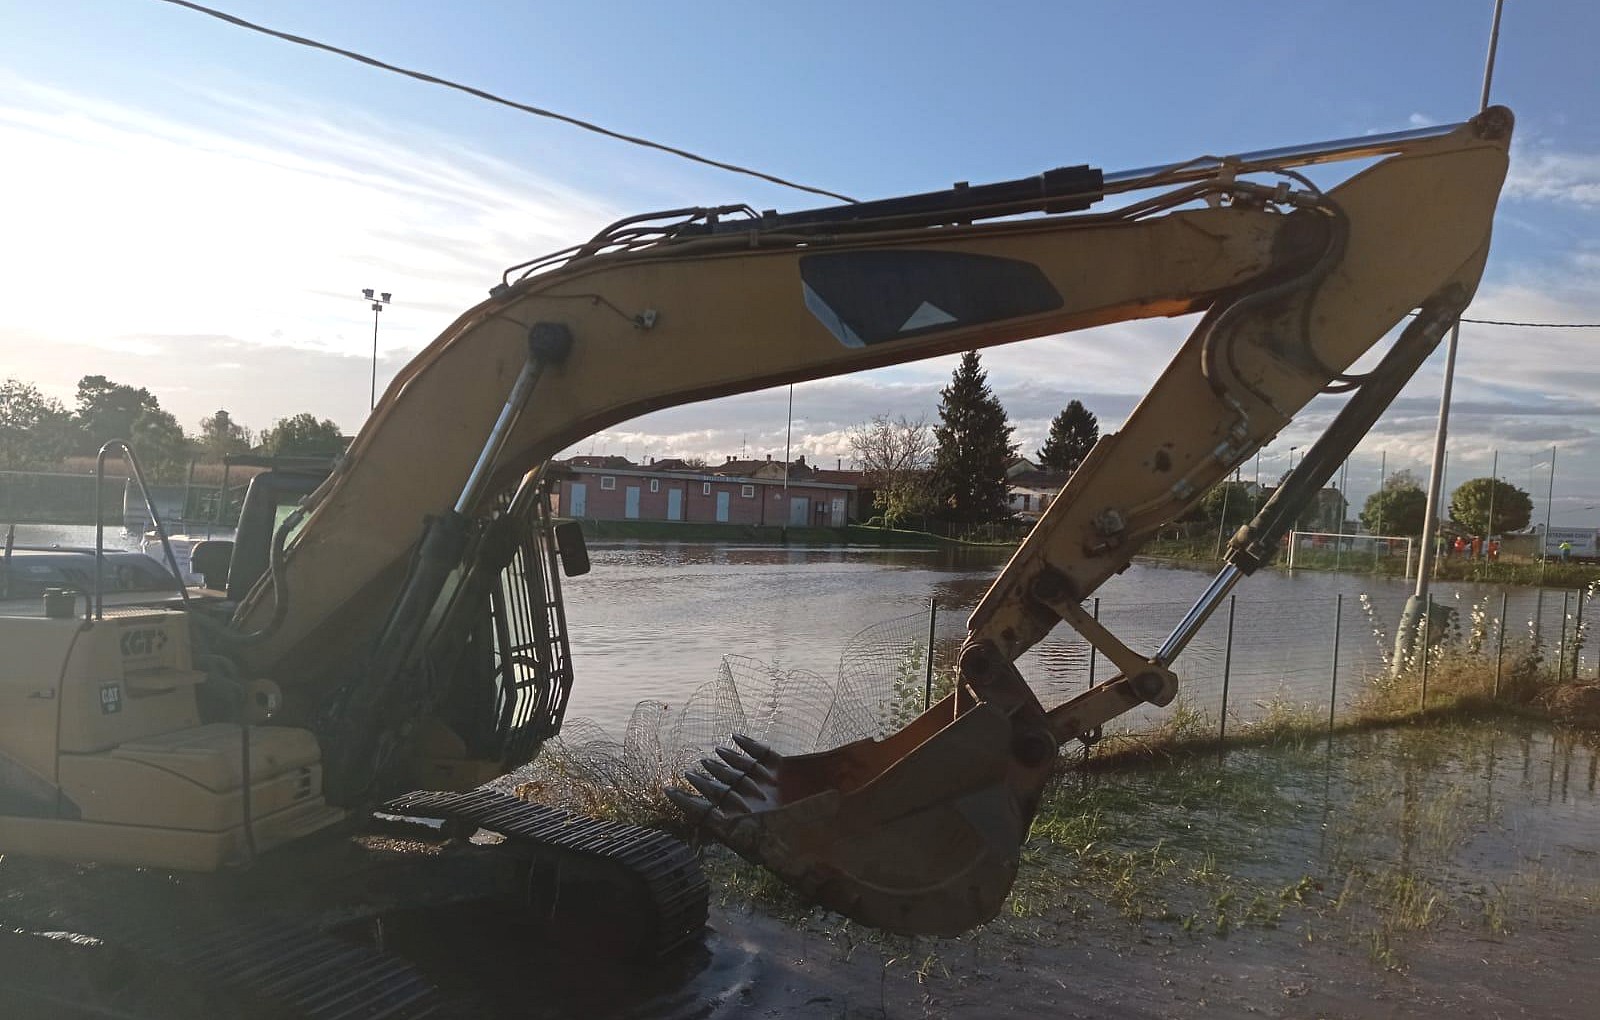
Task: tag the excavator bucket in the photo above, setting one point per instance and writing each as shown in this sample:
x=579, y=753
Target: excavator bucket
x=919, y=833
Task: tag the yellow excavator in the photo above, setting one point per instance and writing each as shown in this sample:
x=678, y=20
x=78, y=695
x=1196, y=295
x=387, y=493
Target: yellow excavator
x=394, y=624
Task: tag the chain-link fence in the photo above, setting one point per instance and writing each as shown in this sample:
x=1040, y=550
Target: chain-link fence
x=1254, y=660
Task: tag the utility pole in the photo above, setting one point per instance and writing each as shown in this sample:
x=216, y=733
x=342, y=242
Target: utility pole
x=1549, y=503
x=378, y=302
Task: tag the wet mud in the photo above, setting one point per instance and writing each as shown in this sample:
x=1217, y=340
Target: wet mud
x=1452, y=870
x=1397, y=873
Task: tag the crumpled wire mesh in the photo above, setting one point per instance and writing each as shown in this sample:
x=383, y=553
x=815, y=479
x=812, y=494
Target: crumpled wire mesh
x=878, y=688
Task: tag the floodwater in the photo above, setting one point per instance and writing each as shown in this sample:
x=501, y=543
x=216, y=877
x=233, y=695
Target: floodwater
x=653, y=621
x=1453, y=871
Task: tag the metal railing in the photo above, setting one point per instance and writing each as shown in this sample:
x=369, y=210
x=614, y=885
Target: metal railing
x=95, y=610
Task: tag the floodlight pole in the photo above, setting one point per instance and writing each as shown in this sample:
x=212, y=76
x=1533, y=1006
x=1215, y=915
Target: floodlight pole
x=378, y=301
x=1406, y=633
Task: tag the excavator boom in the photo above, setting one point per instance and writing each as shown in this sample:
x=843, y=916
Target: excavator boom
x=920, y=832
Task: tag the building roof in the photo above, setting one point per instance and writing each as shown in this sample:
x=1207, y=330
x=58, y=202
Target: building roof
x=1037, y=479
x=600, y=462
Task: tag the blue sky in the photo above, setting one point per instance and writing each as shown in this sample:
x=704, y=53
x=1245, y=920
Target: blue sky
x=194, y=208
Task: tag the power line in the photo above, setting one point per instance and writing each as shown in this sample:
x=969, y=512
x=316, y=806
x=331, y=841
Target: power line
x=1528, y=325
x=491, y=97
x=1535, y=325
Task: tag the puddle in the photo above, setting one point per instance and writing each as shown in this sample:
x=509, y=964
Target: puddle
x=1401, y=873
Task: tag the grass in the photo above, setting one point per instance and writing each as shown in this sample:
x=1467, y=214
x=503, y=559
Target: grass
x=1354, y=833
x=1202, y=551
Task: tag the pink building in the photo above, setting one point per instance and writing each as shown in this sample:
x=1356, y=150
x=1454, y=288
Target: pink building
x=733, y=492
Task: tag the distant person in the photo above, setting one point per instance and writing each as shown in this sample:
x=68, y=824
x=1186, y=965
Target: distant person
x=1566, y=552
x=1494, y=550
x=1460, y=545
x=1477, y=547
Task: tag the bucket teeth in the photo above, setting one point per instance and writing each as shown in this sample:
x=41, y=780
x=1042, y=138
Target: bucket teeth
x=732, y=776
x=757, y=750
x=746, y=765
x=697, y=808
x=718, y=793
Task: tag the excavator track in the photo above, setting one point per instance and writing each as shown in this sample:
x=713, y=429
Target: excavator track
x=152, y=964
x=661, y=870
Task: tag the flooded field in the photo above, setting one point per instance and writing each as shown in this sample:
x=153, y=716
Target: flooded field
x=1396, y=873
x=654, y=621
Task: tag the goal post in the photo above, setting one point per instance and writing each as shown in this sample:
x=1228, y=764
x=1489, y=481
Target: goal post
x=1349, y=547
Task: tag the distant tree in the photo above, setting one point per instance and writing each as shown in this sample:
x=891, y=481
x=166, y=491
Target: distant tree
x=1470, y=506
x=1073, y=433
x=1396, y=509
x=220, y=435
x=303, y=435
x=107, y=410
x=111, y=410
x=1239, y=499
x=973, y=448
x=894, y=454
x=35, y=430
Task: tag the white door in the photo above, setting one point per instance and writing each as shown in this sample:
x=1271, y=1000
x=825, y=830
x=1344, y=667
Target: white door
x=580, y=500
x=674, y=504
x=799, y=511
x=838, y=512
x=722, y=507
x=630, y=508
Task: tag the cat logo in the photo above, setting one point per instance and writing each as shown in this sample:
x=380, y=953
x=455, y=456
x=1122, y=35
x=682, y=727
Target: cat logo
x=143, y=642
x=110, y=699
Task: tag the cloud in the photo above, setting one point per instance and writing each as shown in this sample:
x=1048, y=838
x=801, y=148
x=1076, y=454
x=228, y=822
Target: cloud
x=1568, y=178
x=256, y=220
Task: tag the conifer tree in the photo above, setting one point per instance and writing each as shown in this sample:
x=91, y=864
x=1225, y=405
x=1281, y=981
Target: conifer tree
x=974, y=447
x=1072, y=433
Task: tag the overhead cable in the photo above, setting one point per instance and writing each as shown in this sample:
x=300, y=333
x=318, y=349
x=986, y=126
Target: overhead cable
x=501, y=100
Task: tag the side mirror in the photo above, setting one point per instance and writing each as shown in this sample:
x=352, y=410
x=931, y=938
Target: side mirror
x=572, y=549
x=211, y=559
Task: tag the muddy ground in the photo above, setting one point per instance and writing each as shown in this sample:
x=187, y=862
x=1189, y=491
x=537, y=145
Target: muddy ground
x=1446, y=871
x=1451, y=870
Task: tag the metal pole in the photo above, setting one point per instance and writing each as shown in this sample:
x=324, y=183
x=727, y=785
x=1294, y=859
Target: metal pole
x=1344, y=488
x=1222, y=522
x=1383, y=476
x=376, y=308
x=1430, y=520
x=1549, y=502
x=1227, y=671
x=1427, y=623
x=1333, y=684
x=1494, y=483
x=927, y=682
x=1561, y=642
x=1577, y=635
x=1430, y=514
x=1500, y=648
x=1091, y=645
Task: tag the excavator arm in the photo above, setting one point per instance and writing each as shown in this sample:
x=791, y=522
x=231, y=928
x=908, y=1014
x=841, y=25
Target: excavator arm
x=920, y=832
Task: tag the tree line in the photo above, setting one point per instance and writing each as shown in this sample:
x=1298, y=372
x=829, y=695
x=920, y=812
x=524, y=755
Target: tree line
x=1479, y=506
x=40, y=432
x=955, y=471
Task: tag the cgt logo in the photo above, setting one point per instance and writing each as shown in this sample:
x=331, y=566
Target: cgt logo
x=137, y=643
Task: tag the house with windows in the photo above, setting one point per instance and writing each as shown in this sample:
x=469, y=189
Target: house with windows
x=757, y=492
x=1030, y=489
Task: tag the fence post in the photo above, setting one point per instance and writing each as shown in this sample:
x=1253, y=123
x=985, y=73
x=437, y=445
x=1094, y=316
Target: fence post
x=1091, y=644
x=1577, y=635
x=1500, y=650
x=1333, y=683
x=1427, y=624
x=1227, y=671
x=1561, y=642
x=927, y=681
